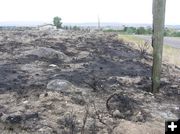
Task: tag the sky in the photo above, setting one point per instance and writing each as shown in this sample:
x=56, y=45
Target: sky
x=82, y=11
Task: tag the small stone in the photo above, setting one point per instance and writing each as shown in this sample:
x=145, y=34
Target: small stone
x=174, y=86
x=53, y=65
x=117, y=114
x=138, y=117
x=134, y=60
x=25, y=102
x=176, y=108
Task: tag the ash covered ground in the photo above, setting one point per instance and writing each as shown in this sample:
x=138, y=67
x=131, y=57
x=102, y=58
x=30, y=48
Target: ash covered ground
x=68, y=82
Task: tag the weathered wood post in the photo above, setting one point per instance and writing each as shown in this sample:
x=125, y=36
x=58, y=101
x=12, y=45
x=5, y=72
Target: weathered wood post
x=157, y=41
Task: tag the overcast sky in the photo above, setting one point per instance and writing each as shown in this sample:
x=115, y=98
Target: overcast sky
x=75, y=11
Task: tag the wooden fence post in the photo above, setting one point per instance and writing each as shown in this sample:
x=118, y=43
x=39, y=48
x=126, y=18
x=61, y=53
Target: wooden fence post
x=157, y=41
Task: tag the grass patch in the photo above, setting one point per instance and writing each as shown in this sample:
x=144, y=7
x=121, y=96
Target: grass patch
x=135, y=42
x=130, y=38
x=170, y=54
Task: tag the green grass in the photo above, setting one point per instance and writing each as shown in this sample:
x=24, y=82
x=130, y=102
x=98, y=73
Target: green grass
x=170, y=54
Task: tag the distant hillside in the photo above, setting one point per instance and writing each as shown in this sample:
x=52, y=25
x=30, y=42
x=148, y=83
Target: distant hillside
x=88, y=24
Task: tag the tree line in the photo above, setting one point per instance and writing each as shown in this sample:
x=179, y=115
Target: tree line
x=147, y=31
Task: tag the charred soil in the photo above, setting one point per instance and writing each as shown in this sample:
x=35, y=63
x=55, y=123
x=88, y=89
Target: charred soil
x=68, y=82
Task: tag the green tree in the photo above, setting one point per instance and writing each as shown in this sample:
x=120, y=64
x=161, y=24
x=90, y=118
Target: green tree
x=57, y=22
x=149, y=31
x=141, y=30
x=129, y=30
x=125, y=29
x=176, y=34
x=76, y=28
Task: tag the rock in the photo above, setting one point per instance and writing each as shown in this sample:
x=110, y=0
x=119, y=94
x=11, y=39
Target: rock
x=117, y=114
x=77, y=95
x=44, y=52
x=127, y=127
x=138, y=117
x=59, y=85
x=65, y=86
x=83, y=54
x=25, y=102
x=134, y=60
x=174, y=86
x=165, y=80
x=52, y=65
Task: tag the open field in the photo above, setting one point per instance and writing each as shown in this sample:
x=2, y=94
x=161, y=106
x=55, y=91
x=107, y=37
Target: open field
x=171, y=52
x=79, y=82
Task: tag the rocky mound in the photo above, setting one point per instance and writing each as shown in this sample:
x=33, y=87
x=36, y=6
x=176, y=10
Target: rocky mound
x=46, y=53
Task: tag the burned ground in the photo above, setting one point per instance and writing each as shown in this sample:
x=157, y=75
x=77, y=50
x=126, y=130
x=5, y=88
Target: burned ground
x=106, y=82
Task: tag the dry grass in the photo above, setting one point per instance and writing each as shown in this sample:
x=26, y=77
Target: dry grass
x=170, y=55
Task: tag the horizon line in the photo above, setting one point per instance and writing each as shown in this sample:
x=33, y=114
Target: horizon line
x=36, y=23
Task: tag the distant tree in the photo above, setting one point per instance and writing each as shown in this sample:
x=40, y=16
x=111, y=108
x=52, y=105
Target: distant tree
x=141, y=30
x=171, y=32
x=168, y=31
x=125, y=29
x=76, y=28
x=149, y=31
x=129, y=30
x=176, y=34
x=66, y=27
x=57, y=22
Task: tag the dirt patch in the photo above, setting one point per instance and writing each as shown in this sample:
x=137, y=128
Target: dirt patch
x=100, y=85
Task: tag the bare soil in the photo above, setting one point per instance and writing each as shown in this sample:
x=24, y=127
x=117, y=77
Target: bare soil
x=109, y=80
